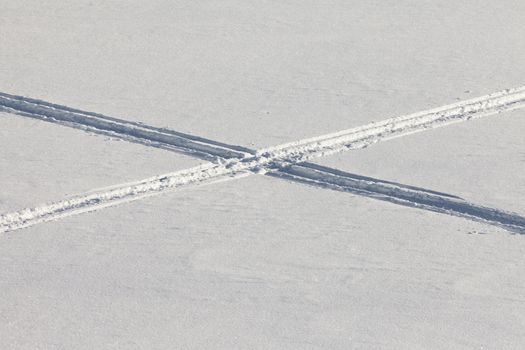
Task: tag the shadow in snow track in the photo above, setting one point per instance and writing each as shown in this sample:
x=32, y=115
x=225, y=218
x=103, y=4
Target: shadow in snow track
x=396, y=193
x=130, y=131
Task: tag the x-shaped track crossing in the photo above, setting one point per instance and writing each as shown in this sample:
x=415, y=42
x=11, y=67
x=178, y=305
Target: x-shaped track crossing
x=289, y=161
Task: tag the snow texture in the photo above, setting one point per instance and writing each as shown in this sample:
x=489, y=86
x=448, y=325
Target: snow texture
x=285, y=221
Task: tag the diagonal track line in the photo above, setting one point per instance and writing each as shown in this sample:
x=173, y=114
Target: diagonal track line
x=134, y=132
x=369, y=134
x=323, y=177
x=111, y=196
x=277, y=159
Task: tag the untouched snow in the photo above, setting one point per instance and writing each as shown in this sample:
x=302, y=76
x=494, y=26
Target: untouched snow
x=261, y=262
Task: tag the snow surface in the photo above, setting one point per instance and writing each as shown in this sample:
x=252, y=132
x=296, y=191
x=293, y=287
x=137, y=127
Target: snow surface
x=232, y=266
x=42, y=162
x=482, y=161
x=231, y=161
x=260, y=262
x=253, y=73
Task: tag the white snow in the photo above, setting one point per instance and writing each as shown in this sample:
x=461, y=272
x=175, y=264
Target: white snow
x=261, y=262
x=233, y=266
x=42, y=162
x=278, y=157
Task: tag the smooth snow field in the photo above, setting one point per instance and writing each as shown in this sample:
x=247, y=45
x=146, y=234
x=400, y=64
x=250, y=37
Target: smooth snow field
x=262, y=174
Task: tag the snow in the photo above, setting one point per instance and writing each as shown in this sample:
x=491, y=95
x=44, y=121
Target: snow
x=232, y=161
x=482, y=161
x=281, y=70
x=42, y=162
x=261, y=262
x=230, y=266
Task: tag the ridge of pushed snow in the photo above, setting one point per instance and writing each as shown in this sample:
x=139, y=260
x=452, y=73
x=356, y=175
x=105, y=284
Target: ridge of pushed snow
x=368, y=134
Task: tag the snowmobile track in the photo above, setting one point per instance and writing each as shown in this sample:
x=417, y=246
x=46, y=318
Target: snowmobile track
x=286, y=161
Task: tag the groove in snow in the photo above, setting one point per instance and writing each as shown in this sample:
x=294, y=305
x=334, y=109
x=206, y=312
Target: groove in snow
x=275, y=157
x=319, y=176
x=122, y=129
